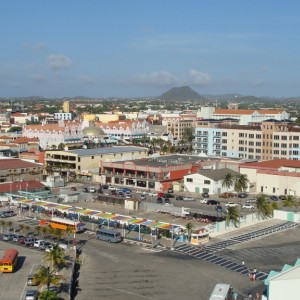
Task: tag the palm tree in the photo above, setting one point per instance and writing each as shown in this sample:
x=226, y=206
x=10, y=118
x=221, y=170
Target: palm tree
x=47, y=295
x=241, y=183
x=21, y=228
x=38, y=229
x=9, y=224
x=46, y=276
x=27, y=228
x=69, y=230
x=189, y=227
x=2, y=224
x=233, y=216
x=228, y=181
x=58, y=233
x=290, y=201
x=45, y=231
x=264, y=209
x=56, y=257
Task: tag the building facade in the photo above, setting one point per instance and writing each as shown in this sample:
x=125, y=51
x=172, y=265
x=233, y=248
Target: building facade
x=270, y=140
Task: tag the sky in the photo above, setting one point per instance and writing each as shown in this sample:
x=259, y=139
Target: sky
x=139, y=48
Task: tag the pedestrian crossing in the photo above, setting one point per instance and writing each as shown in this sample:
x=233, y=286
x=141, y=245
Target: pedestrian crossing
x=208, y=253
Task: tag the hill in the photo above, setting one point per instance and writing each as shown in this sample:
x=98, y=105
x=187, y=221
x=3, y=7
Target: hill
x=181, y=93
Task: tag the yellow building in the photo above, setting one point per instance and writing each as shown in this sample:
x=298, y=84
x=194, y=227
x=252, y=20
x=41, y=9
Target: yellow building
x=66, y=106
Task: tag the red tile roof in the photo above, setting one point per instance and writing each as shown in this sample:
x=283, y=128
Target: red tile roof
x=272, y=164
x=247, y=111
x=21, y=185
x=15, y=163
x=23, y=140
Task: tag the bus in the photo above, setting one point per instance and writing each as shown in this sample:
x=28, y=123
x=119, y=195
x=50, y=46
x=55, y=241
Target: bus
x=63, y=224
x=9, y=261
x=222, y=291
x=111, y=236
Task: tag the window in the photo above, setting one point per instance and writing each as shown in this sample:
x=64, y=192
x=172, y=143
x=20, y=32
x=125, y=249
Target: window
x=224, y=147
x=283, y=152
x=276, y=137
x=296, y=138
x=189, y=180
x=276, y=152
x=224, y=133
x=283, y=145
x=284, y=138
x=241, y=142
x=258, y=136
x=92, y=157
x=258, y=144
x=295, y=152
x=251, y=143
x=251, y=136
x=241, y=134
x=251, y=150
x=295, y=146
x=224, y=141
x=276, y=145
x=206, y=181
x=241, y=148
x=257, y=151
x=78, y=159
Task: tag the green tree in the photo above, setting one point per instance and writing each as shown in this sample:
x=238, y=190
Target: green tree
x=45, y=231
x=38, y=229
x=61, y=146
x=58, y=233
x=14, y=129
x=21, y=228
x=233, y=216
x=290, y=201
x=9, y=225
x=47, y=295
x=241, y=183
x=188, y=134
x=228, y=181
x=264, y=209
x=2, y=224
x=56, y=257
x=47, y=276
x=189, y=228
x=69, y=231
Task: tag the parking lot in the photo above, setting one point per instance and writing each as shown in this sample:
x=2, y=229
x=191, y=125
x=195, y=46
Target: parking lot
x=14, y=285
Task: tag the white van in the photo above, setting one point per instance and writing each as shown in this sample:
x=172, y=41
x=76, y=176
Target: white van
x=93, y=189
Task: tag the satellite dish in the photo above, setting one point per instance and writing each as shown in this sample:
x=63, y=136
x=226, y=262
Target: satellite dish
x=84, y=147
x=66, y=148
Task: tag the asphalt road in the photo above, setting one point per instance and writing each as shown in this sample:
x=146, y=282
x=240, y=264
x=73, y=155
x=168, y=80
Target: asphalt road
x=129, y=272
x=13, y=286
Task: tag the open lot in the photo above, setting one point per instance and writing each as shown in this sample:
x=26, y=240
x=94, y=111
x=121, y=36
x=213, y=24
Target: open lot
x=13, y=286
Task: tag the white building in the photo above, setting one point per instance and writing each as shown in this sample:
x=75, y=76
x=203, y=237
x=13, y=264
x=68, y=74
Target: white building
x=63, y=116
x=273, y=177
x=208, y=181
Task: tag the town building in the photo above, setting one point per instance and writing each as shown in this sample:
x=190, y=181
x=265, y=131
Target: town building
x=271, y=139
x=63, y=116
x=84, y=163
x=273, y=177
x=14, y=169
x=66, y=107
x=66, y=133
x=159, y=173
x=244, y=116
x=208, y=181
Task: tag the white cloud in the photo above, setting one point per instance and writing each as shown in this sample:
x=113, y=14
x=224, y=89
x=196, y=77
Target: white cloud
x=159, y=79
x=200, y=78
x=59, y=62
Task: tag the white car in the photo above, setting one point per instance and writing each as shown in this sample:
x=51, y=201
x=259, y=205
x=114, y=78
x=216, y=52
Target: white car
x=188, y=199
x=204, y=200
x=38, y=243
x=153, y=194
x=111, y=188
x=248, y=206
x=231, y=204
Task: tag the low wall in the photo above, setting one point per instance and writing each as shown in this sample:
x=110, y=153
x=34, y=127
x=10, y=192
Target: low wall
x=220, y=228
x=287, y=216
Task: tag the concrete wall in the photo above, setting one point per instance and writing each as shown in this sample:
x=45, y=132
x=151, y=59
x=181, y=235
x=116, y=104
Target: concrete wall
x=284, y=289
x=287, y=215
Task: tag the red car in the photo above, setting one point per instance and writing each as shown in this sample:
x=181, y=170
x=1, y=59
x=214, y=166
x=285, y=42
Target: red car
x=73, y=188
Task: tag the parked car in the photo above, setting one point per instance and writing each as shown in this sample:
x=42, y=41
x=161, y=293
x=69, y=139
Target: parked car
x=31, y=295
x=219, y=208
x=242, y=195
x=112, y=188
x=274, y=198
x=171, y=191
x=205, y=195
x=248, y=206
x=212, y=202
x=167, y=200
x=161, y=195
x=204, y=201
x=85, y=189
x=93, y=189
x=226, y=195
x=168, y=195
x=17, y=237
x=152, y=194
x=73, y=188
x=188, y=199
x=143, y=197
x=31, y=281
x=251, y=200
x=283, y=197
x=160, y=200
x=179, y=198
x=44, y=246
x=7, y=237
x=29, y=242
x=38, y=243
x=231, y=204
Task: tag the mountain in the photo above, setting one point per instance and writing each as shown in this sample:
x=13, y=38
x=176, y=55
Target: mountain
x=181, y=93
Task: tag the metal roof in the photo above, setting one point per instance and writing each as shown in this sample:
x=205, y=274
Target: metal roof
x=106, y=150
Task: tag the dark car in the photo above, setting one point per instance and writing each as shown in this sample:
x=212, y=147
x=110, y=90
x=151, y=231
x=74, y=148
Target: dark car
x=169, y=195
x=274, y=198
x=212, y=202
x=31, y=295
x=205, y=195
x=219, y=208
x=143, y=197
x=73, y=188
x=160, y=200
x=242, y=195
x=179, y=198
x=31, y=281
x=85, y=189
x=167, y=200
